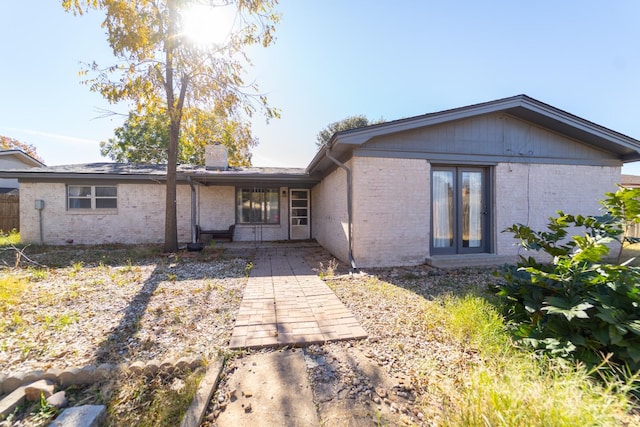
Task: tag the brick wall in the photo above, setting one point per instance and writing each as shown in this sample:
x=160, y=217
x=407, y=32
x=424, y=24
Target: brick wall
x=391, y=211
x=216, y=207
x=138, y=219
x=329, y=216
x=530, y=194
x=392, y=206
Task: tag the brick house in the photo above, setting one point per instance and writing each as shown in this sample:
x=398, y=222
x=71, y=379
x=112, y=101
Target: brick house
x=15, y=159
x=436, y=188
x=9, y=194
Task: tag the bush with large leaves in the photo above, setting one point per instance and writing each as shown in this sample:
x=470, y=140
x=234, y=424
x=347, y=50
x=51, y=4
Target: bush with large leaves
x=585, y=303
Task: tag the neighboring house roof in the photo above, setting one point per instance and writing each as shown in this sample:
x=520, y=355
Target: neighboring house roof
x=139, y=172
x=630, y=180
x=21, y=156
x=627, y=149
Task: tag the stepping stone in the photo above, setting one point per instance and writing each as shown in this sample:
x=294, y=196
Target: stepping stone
x=85, y=416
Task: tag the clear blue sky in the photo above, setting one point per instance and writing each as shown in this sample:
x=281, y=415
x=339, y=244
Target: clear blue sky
x=337, y=58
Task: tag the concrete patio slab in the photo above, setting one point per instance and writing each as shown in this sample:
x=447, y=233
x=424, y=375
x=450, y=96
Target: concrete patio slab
x=286, y=303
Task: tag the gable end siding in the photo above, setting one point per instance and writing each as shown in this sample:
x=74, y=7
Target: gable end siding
x=491, y=138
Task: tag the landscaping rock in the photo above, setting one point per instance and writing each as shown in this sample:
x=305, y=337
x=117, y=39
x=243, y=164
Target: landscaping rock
x=85, y=416
x=68, y=377
x=51, y=375
x=103, y=371
x=183, y=364
x=32, y=376
x=12, y=382
x=167, y=366
x=85, y=375
x=36, y=389
x=152, y=367
x=58, y=400
x=137, y=367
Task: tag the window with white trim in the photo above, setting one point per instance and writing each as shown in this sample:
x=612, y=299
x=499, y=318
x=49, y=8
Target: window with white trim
x=257, y=206
x=92, y=197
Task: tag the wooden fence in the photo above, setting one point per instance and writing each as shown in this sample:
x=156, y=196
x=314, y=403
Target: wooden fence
x=9, y=212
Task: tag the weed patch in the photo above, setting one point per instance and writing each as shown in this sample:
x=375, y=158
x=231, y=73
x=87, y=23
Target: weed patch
x=11, y=238
x=11, y=290
x=156, y=401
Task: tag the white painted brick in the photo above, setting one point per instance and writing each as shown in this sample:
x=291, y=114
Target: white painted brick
x=329, y=216
x=391, y=211
x=392, y=205
x=139, y=217
x=530, y=194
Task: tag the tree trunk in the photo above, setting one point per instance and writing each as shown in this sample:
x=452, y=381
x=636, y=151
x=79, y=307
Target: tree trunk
x=171, y=215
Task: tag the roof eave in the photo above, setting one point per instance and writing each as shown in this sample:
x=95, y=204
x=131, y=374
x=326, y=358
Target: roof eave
x=627, y=148
x=26, y=158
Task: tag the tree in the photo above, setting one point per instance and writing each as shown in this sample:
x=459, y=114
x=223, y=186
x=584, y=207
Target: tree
x=145, y=138
x=348, y=123
x=160, y=68
x=7, y=143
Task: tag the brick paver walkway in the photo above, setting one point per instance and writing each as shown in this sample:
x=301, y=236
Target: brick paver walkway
x=286, y=303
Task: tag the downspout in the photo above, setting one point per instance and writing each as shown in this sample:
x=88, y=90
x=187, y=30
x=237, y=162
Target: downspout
x=341, y=165
x=193, y=210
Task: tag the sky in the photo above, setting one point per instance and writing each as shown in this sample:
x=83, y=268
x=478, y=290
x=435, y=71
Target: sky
x=338, y=58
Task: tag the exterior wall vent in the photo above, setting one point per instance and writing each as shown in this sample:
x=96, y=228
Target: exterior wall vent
x=216, y=157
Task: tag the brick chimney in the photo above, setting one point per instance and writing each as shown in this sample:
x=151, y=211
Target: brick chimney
x=216, y=157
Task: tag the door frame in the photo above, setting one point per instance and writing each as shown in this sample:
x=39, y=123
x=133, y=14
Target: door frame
x=292, y=217
x=458, y=247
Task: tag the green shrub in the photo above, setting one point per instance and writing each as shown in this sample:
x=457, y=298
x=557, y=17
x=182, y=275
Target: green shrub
x=579, y=305
x=10, y=238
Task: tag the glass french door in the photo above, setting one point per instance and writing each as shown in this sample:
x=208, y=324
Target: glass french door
x=459, y=210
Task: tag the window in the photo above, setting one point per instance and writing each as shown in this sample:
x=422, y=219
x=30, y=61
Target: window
x=460, y=216
x=92, y=197
x=257, y=206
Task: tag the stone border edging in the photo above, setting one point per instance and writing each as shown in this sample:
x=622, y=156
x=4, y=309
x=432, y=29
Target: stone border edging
x=90, y=374
x=200, y=403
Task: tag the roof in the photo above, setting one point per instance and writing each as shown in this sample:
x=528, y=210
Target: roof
x=22, y=157
x=626, y=148
x=630, y=180
x=149, y=172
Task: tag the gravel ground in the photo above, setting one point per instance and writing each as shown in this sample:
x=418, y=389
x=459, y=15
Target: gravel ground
x=127, y=309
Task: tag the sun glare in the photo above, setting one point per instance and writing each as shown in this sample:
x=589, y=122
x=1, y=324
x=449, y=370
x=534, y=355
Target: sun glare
x=208, y=25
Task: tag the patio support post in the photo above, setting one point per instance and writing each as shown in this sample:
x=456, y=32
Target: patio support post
x=349, y=207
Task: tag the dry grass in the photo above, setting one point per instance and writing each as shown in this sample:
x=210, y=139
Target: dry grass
x=116, y=304
x=442, y=330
